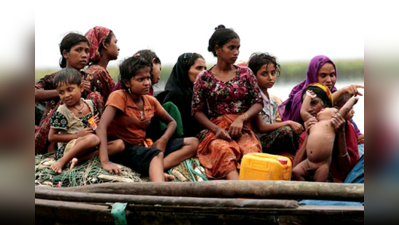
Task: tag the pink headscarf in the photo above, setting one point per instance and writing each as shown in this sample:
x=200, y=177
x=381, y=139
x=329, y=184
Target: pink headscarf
x=290, y=109
x=96, y=37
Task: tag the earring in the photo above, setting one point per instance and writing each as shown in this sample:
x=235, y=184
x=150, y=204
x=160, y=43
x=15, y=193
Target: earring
x=128, y=90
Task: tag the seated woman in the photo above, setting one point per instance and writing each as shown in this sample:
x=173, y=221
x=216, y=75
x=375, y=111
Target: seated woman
x=179, y=89
x=103, y=49
x=230, y=95
x=74, y=49
x=321, y=137
x=345, y=152
x=275, y=136
x=321, y=70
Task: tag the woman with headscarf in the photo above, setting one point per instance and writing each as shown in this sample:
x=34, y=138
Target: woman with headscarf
x=321, y=70
x=345, y=152
x=179, y=89
x=103, y=48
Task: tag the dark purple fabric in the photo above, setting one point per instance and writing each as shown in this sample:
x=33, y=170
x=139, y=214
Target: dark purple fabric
x=290, y=109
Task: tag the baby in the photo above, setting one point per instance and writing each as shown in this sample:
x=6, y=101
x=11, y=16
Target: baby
x=320, y=141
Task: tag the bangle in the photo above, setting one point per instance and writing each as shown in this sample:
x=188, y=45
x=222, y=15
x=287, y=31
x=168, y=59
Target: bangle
x=347, y=153
x=245, y=116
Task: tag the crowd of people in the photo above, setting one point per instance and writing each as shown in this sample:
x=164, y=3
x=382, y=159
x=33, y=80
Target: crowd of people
x=216, y=115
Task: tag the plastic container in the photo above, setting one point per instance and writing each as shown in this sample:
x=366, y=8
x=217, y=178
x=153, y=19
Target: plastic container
x=263, y=166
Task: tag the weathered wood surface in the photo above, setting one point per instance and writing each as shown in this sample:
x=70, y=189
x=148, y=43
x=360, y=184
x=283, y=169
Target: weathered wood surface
x=162, y=200
x=62, y=212
x=234, y=189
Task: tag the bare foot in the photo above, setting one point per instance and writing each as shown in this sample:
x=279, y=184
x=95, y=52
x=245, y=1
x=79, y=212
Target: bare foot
x=57, y=167
x=74, y=161
x=169, y=177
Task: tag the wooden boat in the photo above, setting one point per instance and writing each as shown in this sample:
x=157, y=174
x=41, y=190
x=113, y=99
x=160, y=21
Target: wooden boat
x=212, y=202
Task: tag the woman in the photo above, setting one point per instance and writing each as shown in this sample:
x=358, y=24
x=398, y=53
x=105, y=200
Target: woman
x=230, y=96
x=103, y=49
x=345, y=151
x=74, y=49
x=179, y=89
x=321, y=70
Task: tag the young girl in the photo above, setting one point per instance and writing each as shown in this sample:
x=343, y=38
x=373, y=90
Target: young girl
x=74, y=49
x=70, y=123
x=230, y=96
x=320, y=141
x=103, y=49
x=127, y=115
x=276, y=137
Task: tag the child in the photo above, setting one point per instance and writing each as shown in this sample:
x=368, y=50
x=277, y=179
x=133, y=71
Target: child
x=127, y=115
x=70, y=123
x=320, y=141
x=276, y=137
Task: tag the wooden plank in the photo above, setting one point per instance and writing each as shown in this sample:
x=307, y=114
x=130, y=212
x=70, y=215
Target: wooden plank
x=234, y=189
x=77, y=213
x=162, y=200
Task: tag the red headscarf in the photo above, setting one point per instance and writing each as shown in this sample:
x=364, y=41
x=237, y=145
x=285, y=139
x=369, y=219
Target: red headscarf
x=96, y=37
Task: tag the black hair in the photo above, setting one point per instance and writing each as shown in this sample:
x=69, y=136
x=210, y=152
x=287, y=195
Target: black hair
x=320, y=94
x=68, y=42
x=149, y=56
x=220, y=37
x=342, y=100
x=257, y=60
x=129, y=67
x=190, y=58
x=67, y=76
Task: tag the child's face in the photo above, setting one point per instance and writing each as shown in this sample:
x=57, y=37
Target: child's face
x=350, y=114
x=70, y=94
x=266, y=76
x=78, y=56
x=156, y=72
x=140, y=83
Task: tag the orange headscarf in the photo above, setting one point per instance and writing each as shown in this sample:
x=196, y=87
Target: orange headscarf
x=325, y=89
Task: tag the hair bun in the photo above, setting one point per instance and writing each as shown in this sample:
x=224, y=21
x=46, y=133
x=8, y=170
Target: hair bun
x=221, y=26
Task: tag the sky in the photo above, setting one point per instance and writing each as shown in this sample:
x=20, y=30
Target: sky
x=290, y=30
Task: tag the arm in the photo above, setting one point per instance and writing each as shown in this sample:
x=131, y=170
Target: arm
x=106, y=119
x=344, y=159
x=351, y=89
x=264, y=128
x=305, y=105
x=205, y=122
x=45, y=95
x=162, y=141
x=55, y=137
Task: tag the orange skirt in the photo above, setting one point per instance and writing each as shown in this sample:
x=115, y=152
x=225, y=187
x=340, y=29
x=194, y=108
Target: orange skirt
x=219, y=157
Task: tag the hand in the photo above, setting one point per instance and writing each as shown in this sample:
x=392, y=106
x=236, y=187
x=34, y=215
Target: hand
x=85, y=132
x=309, y=123
x=297, y=127
x=338, y=122
x=160, y=144
x=111, y=167
x=236, y=128
x=360, y=138
x=86, y=85
x=222, y=134
x=311, y=94
x=97, y=118
x=352, y=89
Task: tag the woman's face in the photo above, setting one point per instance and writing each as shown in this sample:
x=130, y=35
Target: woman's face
x=316, y=105
x=156, y=72
x=112, y=48
x=196, y=69
x=266, y=76
x=230, y=51
x=78, y=56
x=327, y=76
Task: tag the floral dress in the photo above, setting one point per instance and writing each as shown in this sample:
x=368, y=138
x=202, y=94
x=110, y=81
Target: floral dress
x=223, y=102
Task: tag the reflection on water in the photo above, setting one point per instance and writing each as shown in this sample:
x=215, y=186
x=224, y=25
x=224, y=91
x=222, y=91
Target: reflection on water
x=283, y=91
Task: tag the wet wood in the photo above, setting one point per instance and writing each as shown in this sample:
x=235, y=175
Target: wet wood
x=162, y=200
x=234, y=189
